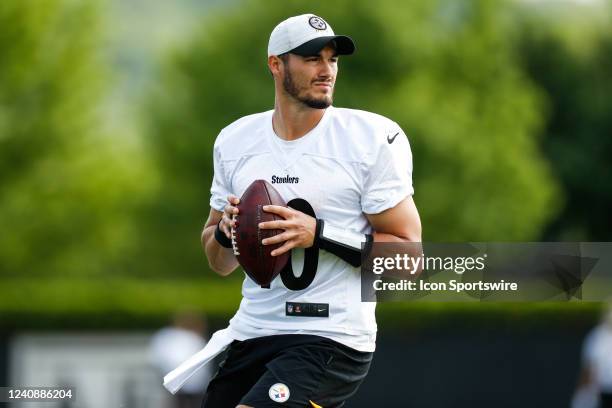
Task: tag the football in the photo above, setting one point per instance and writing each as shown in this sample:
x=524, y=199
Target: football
x=254, y=257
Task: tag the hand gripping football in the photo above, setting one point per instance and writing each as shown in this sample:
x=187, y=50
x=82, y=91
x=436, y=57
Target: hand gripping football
x=254, y=257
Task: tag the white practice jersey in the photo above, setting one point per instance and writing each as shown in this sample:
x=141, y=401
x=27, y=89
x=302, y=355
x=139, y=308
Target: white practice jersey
x=351, y=164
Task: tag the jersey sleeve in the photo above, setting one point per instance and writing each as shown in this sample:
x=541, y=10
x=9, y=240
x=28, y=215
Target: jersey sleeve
x=220, y=188
x=388, y=178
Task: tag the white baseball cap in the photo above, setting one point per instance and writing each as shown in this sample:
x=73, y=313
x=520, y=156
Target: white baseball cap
x=306, y=35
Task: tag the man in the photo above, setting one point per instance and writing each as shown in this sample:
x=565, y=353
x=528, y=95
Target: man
x=171, y=345
x=595, y=381
x=307, y=339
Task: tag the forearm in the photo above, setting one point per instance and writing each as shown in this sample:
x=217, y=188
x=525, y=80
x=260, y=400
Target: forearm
x=221, y=260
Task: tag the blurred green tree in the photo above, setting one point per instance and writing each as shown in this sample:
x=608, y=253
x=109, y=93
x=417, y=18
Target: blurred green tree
x=574, y=70
x=447, y=71
x=63, y=180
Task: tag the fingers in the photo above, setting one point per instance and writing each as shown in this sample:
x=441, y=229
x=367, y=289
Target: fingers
x=230, y=212
x=225, y=225
x=287, y=246
x=278, y=238
x=232, y=199
x=284, y=212
x=298, y=229
x=230, y=208
x=277, y=224
x=230, y=217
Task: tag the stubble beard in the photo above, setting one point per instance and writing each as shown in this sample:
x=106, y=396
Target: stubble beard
x=292, y=89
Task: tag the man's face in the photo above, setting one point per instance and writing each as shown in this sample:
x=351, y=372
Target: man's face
x=310, y=80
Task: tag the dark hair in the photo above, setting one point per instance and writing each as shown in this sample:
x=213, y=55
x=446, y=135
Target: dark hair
x=284, y=57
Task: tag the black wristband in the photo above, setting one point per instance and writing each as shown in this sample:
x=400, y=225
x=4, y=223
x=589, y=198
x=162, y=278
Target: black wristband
x=317, y=237
x=221, y=238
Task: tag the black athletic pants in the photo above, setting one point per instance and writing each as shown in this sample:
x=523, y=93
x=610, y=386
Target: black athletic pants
x=289, y=371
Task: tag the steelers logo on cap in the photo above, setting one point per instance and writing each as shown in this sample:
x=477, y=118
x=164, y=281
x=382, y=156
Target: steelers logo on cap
x=317, y=23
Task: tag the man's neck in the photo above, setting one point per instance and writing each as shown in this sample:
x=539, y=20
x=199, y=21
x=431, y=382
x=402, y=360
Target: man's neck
x=292, y=121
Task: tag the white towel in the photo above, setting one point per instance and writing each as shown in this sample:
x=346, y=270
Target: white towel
x=174, y=380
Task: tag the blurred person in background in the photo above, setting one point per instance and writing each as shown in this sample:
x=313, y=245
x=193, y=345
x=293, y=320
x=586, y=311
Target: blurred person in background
x=170, y=346
x=595, y=382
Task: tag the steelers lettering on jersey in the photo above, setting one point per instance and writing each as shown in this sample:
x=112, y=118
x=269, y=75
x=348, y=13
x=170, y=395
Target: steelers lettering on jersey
x=284, y=179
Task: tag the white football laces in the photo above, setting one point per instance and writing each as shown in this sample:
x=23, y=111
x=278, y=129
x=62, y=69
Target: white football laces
x=233, y=234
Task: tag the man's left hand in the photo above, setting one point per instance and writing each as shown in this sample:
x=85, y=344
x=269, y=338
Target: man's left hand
x=299, y=229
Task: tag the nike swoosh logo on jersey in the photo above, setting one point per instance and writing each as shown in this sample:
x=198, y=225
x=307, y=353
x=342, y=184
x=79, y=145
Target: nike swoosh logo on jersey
x=392, y=139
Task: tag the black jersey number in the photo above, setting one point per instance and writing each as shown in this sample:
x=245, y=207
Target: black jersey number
x=311, y=255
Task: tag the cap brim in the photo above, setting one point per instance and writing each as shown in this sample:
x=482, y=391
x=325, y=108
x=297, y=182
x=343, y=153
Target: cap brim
x=343, y=45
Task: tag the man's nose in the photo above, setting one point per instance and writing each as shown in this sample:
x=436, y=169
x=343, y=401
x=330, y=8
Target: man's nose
x=326, y=69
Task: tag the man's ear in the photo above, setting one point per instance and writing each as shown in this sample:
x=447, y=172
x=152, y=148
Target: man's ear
x=274, y=64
